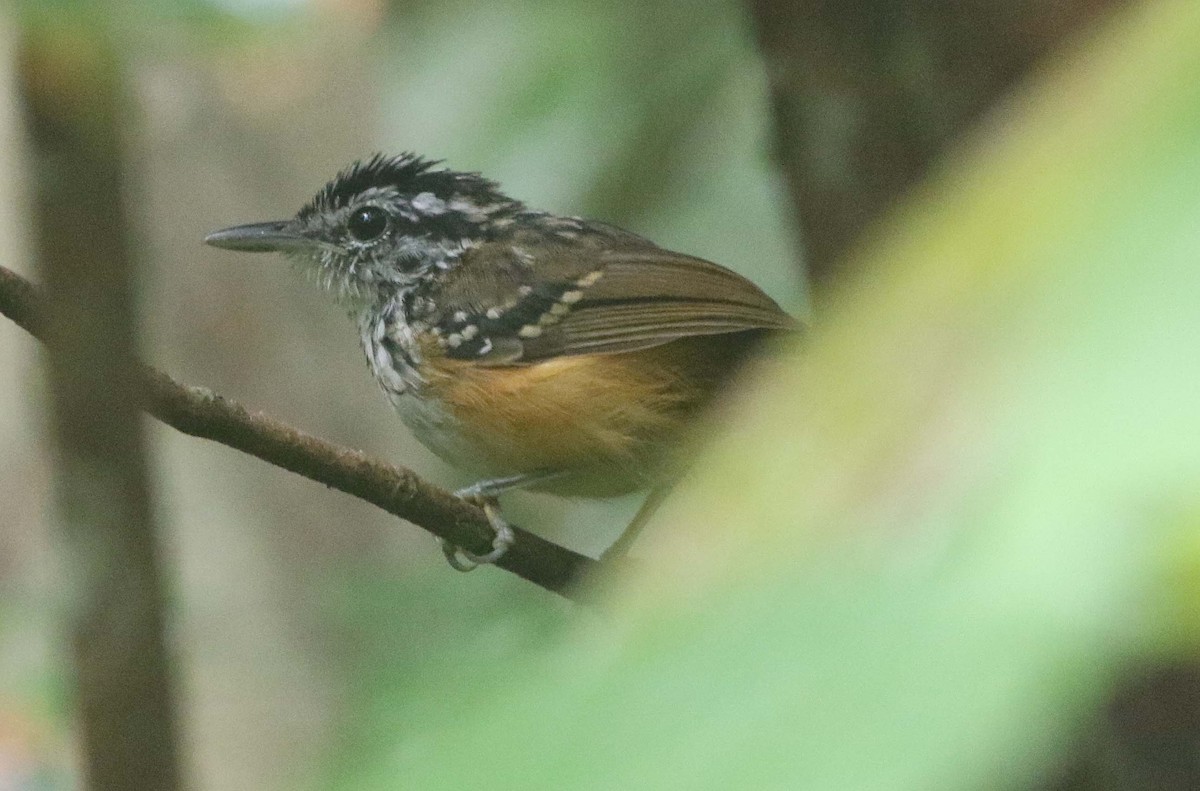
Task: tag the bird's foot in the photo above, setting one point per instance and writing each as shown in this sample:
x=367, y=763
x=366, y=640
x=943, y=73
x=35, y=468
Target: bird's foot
x=462, y=560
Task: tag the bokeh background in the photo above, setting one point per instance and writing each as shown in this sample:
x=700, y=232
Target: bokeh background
x=301, y=612
x=953, y=545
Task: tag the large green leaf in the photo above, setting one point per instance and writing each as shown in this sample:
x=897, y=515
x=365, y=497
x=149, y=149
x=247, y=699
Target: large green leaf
x=931, y=540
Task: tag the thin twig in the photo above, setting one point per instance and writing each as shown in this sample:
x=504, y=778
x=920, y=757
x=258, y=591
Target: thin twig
x=201, y=413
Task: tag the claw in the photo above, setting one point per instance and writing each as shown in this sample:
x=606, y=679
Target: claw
x=462, y=560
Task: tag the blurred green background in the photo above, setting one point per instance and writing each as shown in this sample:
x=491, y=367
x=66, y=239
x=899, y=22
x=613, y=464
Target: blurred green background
x=924, y=557
x=305, y=618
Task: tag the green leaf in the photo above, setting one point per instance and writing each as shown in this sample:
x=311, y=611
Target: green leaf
x=930, y=541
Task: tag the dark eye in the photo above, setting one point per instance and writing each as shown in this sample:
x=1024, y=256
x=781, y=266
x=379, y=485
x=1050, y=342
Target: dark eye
x=367, y=223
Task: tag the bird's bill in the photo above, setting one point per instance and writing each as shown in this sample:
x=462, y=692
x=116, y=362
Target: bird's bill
x=259, y=237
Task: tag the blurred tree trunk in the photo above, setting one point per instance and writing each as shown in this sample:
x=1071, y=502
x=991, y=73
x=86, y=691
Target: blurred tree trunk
x=76, y=110
x=1147, y=738
x=868, y=93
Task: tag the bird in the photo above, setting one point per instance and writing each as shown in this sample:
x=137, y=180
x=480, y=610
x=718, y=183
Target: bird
x=531, y=349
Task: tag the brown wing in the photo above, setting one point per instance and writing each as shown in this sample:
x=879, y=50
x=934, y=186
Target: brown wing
x=603, y=298
x=645, y=298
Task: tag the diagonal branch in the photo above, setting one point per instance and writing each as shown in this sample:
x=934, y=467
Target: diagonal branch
x=202, y=413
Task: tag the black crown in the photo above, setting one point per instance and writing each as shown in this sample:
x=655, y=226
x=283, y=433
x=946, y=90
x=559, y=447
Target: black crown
x=409, y=174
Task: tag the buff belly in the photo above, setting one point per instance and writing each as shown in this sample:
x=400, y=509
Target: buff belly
x=607, y=423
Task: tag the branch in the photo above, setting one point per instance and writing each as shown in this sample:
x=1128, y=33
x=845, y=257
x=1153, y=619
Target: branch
x=202, y=413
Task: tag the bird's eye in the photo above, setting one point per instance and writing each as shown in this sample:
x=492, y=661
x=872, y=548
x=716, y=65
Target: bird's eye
x=367, y=223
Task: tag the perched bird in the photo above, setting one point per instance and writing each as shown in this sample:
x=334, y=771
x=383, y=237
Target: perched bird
x=533, y=350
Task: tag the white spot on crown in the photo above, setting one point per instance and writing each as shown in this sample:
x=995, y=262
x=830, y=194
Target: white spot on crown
x=428, y=204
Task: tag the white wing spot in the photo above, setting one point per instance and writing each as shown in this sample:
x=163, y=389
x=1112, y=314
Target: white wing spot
x=529, y=331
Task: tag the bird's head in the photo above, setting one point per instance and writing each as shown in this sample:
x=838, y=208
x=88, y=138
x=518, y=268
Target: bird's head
x=381, y=223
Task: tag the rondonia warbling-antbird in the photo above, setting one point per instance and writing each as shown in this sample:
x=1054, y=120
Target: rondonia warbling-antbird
x=531, y=349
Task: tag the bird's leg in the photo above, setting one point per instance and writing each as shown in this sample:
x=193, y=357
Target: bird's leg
x=486, y=495
x=462, y=560
x=629, y=535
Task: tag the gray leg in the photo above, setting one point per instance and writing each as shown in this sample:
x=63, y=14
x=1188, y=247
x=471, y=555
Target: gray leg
x=485, y=494
x=462, y=560
x=494, y=487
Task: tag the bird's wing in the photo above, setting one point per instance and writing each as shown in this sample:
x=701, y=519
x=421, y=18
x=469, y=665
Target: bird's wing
x=600, y=299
